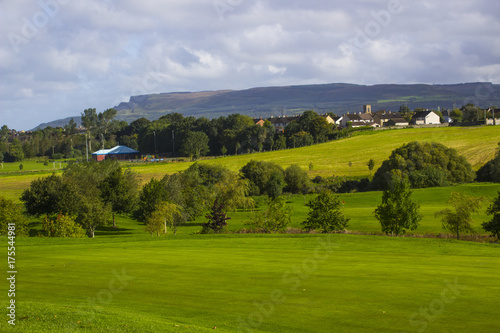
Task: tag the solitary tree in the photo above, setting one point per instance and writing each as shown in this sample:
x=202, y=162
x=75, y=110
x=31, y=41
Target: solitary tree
x=398, y=211
x=371, y=165
x=217, y=219
x=493, y=226
x=166, y=215
x=324, y=213
x=460, y=218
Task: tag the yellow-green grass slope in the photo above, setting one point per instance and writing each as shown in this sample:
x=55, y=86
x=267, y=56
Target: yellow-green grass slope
x=477, y=144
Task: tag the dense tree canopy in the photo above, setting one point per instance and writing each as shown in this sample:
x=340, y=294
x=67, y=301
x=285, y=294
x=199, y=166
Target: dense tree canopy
x=89, y=191
x=195, y=190
x=426, y=164
x=264, y=177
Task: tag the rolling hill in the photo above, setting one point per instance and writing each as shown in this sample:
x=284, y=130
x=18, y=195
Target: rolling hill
x=336, y=97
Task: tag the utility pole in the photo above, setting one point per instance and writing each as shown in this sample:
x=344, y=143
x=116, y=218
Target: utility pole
x=86, y=147
x=154, y=132
x=173, y=144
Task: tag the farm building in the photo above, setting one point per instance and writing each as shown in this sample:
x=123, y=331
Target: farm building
x=117, y=153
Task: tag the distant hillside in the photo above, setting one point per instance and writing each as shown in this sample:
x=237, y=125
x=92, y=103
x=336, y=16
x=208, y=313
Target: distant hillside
x=338, y=98
x=272, y=101
x=59, y=123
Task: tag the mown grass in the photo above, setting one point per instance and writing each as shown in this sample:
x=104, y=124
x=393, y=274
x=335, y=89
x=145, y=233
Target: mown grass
x=30, y=166
x=260, y=283
x=254, y=283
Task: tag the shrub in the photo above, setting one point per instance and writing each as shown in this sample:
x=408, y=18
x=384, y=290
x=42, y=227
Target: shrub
x=275, y=218
x=61, y=226
x=426, y=164
x=11, y=213
x=324, y=213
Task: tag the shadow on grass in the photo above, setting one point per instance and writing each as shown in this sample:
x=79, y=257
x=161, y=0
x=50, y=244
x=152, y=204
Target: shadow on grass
x=110, y=231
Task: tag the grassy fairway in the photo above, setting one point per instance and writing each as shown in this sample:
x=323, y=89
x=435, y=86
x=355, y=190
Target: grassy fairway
x=306, y=283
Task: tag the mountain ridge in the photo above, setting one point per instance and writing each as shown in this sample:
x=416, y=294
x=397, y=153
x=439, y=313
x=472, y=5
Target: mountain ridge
x=338, y=98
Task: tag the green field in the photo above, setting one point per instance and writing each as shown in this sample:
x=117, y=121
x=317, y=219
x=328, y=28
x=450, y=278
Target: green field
x=255, y=283
x=477, y=144
x=127, y=281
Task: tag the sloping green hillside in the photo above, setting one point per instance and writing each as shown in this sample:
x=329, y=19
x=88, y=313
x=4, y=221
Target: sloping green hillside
x=477, y=144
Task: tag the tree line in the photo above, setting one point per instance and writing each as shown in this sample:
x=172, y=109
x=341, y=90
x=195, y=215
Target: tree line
x=170, y=135
x=87, y=195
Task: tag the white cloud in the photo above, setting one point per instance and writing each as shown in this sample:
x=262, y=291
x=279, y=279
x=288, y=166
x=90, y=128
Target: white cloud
x=97, y=53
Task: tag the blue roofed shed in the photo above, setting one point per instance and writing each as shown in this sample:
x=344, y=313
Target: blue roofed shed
x=117, y=153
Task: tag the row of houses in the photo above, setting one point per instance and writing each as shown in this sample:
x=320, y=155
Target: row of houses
x=384, y=119
x=362, y=119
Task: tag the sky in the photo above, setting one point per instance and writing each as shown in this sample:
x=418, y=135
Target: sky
x=60, y=57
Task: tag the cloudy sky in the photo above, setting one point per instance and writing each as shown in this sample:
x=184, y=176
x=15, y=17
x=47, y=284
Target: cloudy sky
x=59, y=57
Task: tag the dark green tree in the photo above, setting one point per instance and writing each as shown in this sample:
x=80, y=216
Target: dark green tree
x=426, y=164
x=398, y=212
x=493, y=226
x=195, y=144
x=120, y=190
x=217, y=219
x=16, y=153
x=296, y=179
x=259, y=174
x=151, y=195
x=275, y=184
x=49, y=195
x=490, y=172
x=370, y=165
x=325, y=213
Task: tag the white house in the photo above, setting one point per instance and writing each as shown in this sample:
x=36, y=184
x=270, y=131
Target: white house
x=425, y=118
